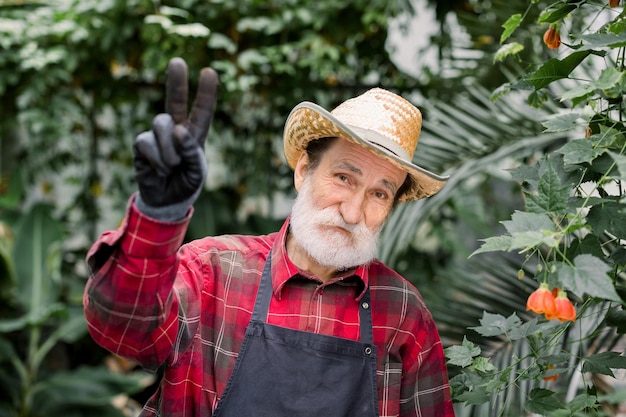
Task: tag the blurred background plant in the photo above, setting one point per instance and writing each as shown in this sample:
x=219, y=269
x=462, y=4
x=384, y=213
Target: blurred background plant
x=79, y=79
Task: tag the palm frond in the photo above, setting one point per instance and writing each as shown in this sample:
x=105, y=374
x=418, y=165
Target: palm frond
x=469, y=140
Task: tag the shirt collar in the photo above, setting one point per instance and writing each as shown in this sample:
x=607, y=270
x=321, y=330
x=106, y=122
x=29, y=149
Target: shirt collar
x=283, y=269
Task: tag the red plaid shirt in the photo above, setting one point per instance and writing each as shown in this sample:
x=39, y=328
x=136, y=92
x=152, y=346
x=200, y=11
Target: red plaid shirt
x=153, y=301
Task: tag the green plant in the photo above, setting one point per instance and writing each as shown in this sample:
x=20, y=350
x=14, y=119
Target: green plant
x=571, y=234
x=41, y=315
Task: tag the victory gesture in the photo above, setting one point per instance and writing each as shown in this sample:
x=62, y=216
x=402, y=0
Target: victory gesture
x=169, y=161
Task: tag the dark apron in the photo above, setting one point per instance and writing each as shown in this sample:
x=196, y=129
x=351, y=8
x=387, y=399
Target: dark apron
x=283, y=372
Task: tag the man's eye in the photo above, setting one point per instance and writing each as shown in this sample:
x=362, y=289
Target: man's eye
x=381, y=195
x=343, y=178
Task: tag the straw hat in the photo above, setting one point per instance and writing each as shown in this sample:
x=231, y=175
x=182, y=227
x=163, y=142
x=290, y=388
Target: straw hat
x=379, y=120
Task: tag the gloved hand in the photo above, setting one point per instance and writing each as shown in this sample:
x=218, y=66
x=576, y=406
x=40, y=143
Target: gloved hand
x=170, y=167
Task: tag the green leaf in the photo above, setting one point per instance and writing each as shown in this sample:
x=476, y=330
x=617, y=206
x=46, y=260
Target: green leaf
x=608, y=78
x=474, y=397
x=607, y=137
x=616, y=397
x=582, y=402
x=251, y=57
x=88, y=386
x=618, y=256
x=551, y=196
x=522, y=221
x=499, y=92
x=13, y=188
x=608, y=217
x=494, y=244
x=578, y=93
x=526, y=230
x=588, y=276
x=464, y=382
x=603, y=363
x=542, y=401
x=590, y=244
x=562, y=122
x=34, y=318
x=470, y=387
x=620, y=161
x=532, y=239
x=265, y=25
x=556, y=12
x=496, y=324
x=526, y=329
x=526, y=174
x=462, y=355
x=510, y=25
x=603, y=165
x=579, y=151
x=482, y=364
x=507, y=50
x=191, y=30
x=617, y=90
x=555, y=69
x=7, y=352
x=7, y=271
x=499, y=382
x=616, y=317
x=221, y=41
x=160, y=20
x=602, y=40
x=69, y=331
x=173, y=11
x=37, y=257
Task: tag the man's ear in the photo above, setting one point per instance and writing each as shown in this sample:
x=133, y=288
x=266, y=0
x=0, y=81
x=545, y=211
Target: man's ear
x=301, y=170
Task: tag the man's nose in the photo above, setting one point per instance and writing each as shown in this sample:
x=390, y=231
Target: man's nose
x=352, y=208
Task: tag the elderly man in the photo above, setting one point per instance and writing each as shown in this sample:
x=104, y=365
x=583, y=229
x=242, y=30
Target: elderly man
x=301, y=322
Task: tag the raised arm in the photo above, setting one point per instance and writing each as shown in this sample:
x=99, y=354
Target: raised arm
x=133, y=297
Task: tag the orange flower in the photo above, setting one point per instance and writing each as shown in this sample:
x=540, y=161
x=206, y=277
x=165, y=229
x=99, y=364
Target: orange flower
x=613, y=3
x=542, y=301
x=550, y=377
x=552, y=37
x=565, y=310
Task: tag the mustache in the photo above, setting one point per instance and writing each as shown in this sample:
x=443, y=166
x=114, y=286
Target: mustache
x=331, y=217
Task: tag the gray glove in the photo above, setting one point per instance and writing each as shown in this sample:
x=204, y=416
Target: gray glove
x=170, y=167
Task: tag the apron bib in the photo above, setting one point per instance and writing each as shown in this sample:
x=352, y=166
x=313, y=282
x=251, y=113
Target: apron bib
x=282, y=372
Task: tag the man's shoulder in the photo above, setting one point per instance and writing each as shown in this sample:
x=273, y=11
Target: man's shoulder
x=382, y=274
x=387, y=283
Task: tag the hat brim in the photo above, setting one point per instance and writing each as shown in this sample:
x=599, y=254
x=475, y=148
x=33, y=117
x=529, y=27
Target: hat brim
x=309, y=121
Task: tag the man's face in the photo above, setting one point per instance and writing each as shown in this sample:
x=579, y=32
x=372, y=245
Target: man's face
x=342, y=204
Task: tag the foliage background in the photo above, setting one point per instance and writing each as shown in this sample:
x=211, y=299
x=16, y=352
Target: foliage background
x=79, y=79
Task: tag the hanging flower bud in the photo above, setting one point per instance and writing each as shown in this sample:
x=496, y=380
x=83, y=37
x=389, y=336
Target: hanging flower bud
x=552, y=37
x=613, y=3
x=542, y=301
x=565, y=310
x=550, y=377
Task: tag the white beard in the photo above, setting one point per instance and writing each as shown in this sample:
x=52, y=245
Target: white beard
x=326, y=246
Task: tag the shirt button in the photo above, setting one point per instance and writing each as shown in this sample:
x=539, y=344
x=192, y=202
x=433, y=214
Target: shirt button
x=368, y=350
x=365, y=305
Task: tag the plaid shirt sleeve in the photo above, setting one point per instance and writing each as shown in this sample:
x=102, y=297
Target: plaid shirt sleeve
x=129, y=302
x=425, y=390
x=412, y=373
